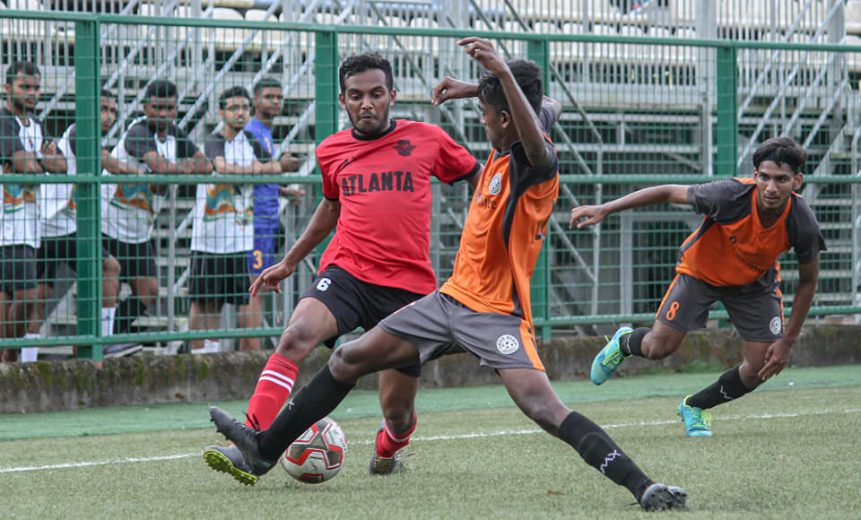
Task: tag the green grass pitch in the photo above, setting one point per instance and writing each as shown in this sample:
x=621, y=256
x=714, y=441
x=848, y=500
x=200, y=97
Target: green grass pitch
x=790, y=450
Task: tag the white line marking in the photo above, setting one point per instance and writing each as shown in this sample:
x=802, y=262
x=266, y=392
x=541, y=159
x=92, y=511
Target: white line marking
x=462, y=436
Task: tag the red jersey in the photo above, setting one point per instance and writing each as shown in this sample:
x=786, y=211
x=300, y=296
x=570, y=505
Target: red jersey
x=384, y=187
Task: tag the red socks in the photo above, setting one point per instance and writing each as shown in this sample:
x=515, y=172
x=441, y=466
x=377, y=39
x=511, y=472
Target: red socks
x=388, y=443
x=272, y=391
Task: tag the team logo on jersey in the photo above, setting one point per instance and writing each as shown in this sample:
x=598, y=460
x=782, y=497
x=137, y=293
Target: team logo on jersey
x=405, y=147
x=495, y=184
x=775, y=325
x=507, y=344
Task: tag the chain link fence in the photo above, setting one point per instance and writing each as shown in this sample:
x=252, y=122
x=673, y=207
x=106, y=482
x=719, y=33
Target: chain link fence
x=195, y=127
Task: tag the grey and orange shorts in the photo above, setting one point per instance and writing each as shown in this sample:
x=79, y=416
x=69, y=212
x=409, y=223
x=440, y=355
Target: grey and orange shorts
x=756, y=309
x=438, y=324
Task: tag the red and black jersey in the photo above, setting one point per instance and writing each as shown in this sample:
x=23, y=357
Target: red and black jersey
x=384, y=188
x=731, y=246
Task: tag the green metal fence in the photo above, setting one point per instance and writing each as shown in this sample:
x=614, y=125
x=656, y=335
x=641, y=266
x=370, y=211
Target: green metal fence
x=638, y=111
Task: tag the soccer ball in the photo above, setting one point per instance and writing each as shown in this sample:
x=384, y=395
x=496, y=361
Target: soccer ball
x=318, y=454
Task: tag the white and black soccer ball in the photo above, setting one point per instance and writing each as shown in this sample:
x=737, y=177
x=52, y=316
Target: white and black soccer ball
x=318, y=454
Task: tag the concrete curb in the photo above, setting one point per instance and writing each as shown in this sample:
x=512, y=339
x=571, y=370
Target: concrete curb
x=69, y=385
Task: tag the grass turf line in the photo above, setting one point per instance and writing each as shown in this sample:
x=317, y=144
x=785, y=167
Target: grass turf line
x=778, y=467
x=113, y=420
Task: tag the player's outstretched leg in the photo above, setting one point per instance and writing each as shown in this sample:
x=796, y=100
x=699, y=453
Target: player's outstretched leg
x=610, y=357
x=250, y=463
x=531, y=390
x=697, y=421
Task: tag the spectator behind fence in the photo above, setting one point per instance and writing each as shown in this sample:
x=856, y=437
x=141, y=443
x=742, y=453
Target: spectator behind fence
x=153, y=144
x=58, y=222
x=223, y=232
x=24, y=148
x=268, y=101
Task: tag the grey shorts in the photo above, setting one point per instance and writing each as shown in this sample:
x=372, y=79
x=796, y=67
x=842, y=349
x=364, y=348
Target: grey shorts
x=756, y=310
x=438, y=324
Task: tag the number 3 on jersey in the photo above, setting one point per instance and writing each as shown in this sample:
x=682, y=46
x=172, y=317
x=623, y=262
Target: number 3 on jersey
x=671, y=313
x=258, y=258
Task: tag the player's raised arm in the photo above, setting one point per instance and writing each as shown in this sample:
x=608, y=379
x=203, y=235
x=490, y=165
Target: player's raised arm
x=584, y=216
x=450, y=88
x=529, y=127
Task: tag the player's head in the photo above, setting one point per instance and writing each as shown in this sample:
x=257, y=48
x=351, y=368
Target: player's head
x=777, y=169
x=108, y=113
x=23, y=83
x=234, y=107
x=495, y=114
x=160, y=104
x=268, y=98
x=367, y=92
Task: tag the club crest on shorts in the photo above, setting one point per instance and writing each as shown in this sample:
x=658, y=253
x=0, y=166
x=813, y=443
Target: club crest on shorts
x=775, y=325
x=495, y=184
x=507, y=344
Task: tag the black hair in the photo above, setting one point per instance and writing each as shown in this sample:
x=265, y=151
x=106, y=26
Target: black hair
x=161, y=89
x=781, y=150
x=26, y=68
x=528, y=77
x=359, y=63
x=266, y=83
x=108, y=94
x=231, y=93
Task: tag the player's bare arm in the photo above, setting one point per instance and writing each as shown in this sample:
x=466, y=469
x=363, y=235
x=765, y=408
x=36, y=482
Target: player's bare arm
x=199, y=163
x=53, y=159
x=223, y=167
x=524, y=118
x=117, y=167
x=289, y=163
x=322, y=222
x=777, y=355
x=450, y=88
x=25, y=162
x=158, y=164
x=585, y=216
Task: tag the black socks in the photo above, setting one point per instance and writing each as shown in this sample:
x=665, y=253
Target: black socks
x=630, y=343
x=726, y=388
x=315, y=401
x=600, y=452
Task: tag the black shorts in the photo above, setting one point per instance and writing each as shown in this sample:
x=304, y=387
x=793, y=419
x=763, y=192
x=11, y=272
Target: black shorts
x=219, y=278
x=355, y=303
x=55, y=251
x=18, y=268
x=136, y=260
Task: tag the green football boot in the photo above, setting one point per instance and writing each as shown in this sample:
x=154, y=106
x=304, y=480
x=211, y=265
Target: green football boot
x=610, y=357
x=697, y=421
